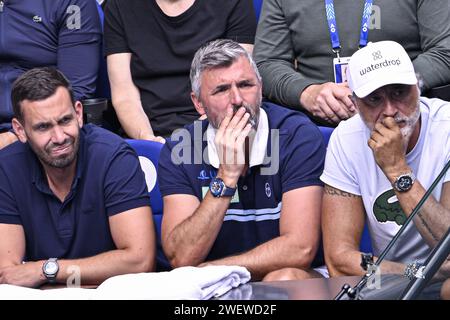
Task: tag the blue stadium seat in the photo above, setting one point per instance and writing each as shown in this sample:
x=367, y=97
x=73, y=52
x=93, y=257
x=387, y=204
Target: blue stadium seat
x=148, y=152
x=103, y=90
x=257, y=5
x=366, y=243
x=326, y=133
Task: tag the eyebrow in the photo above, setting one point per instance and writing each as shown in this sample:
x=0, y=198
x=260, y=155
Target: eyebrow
x=246, y=81
x=68, y=116
x=222, y=87
x=39, y=124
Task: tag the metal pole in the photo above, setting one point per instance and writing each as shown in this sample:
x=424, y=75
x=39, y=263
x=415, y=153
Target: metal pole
x=432, y=265
x=383, y=254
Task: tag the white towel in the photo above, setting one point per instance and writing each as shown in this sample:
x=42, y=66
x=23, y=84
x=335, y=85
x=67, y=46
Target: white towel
x=181, y=283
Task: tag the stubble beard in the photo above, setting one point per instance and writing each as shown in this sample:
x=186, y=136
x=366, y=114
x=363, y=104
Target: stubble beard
x=62, y=161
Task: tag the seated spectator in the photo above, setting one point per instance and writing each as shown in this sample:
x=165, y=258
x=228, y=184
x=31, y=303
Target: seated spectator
x=226, y=202
x=65, y=34
x=297, y=45
x=149, y=48
x=73, y=199
x=380, y=162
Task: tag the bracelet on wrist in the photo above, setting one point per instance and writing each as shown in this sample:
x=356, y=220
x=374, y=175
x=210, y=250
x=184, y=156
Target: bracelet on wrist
x=414, y=270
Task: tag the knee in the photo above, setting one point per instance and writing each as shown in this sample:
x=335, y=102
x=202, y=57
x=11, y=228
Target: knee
x=287, y=274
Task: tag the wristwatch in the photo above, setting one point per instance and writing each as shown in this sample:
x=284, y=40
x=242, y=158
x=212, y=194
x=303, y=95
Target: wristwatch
x=404, y=182
x=218, y=188
x=50, y=269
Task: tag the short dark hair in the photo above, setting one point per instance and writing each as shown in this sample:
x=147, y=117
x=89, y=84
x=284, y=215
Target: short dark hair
x=37, y=84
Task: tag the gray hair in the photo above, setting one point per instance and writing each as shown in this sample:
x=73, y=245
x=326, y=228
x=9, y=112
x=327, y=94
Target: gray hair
x=217, y=54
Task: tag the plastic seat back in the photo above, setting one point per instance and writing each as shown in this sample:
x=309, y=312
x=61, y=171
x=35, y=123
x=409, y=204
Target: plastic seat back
x=257, y=4
x=148, y=152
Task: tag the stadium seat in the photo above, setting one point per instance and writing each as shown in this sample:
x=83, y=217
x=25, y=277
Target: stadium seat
x=148, y=152
x=326, y=133
x=366, y=242
x=257, y=5
x=103, y=90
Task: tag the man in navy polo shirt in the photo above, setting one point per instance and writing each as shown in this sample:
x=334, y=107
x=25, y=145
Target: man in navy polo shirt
x=73, y=202
x=225, y=201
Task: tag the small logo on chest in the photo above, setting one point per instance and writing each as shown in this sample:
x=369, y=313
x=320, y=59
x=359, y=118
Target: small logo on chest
x=268, y=190
x=37, y=19
x=202, y=175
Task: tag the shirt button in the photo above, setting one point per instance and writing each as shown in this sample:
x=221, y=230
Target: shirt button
x=244, y=188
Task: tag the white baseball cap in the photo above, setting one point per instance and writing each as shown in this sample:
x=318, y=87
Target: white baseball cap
x=379, y=64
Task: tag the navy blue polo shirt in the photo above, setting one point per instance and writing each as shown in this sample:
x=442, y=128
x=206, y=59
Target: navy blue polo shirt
x=108, y=181
x=254, y=213
x=65, y=34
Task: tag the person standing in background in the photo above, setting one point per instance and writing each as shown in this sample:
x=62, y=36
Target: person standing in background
x=302, y=48
x=65, y=34
x=150, y=46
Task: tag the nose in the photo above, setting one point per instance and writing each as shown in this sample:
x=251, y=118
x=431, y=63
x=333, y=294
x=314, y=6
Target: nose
x=390, y=110
x=236, y=98
x=58, y=135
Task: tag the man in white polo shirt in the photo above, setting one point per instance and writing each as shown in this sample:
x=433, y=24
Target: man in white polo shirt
x=380, y=162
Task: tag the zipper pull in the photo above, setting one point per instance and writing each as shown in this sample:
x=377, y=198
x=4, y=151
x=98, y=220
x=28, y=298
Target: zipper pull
x=1, y=5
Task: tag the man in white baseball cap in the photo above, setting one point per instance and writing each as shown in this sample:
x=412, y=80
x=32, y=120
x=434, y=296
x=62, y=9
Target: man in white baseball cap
x=380, y=64
x=380, y=162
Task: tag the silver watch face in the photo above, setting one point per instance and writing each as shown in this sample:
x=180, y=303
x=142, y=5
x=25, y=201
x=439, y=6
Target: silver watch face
x=51, y=267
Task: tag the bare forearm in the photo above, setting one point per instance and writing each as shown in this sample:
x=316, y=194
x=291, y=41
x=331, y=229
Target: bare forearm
x=349, y=264
x=432, y=221
x=126, y=97
x=190, y=242
x=278, y=253
x=87, y=271
x=94, y=270
x=344, y=264
x=133, y=118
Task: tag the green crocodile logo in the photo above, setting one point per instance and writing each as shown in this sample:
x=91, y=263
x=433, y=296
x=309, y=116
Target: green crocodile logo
x=387, y=208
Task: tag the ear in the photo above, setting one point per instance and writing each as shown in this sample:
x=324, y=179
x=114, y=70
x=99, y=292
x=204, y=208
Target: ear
x=197, y=104
x=19, y=130
x=78, y=106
